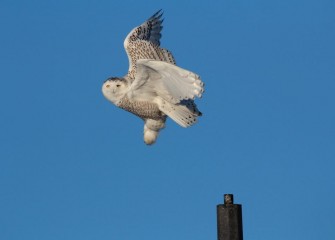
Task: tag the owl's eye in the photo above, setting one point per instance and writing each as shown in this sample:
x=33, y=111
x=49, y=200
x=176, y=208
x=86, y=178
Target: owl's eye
x=107, y=86
x=118, y=85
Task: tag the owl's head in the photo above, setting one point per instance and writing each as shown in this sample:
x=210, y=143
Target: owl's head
x=114, y=89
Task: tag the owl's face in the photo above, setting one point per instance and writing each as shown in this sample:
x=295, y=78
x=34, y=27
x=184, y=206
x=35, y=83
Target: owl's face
x=114, y=89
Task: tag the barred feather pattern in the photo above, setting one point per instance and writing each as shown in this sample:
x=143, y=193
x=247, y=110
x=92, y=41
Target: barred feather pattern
x=143, y=42
x=149, y=30
x=142, y=109
x=146, y=50
x=185, y=113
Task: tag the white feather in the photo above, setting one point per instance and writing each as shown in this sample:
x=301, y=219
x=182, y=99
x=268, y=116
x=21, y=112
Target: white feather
x=150, y=136
x=184, y=113
x=157, y=78
x=151, y=130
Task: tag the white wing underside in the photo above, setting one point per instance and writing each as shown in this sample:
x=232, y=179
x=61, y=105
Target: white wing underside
x=172, y=83
x=171, y=87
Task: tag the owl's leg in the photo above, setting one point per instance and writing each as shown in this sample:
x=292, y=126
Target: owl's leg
x=151, y=130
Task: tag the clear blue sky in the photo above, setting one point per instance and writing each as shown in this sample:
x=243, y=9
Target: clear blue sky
x=73, y=166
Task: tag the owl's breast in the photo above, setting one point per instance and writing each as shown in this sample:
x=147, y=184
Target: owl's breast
x=142, y=109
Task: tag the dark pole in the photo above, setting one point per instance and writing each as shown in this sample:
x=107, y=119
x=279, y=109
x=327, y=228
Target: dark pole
x=229, y=219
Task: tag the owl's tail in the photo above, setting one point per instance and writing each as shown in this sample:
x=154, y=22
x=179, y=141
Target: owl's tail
x=151, y=130
x=184, y=113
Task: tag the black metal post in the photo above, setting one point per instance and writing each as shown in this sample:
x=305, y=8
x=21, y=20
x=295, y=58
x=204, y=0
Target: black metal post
x=229, y=219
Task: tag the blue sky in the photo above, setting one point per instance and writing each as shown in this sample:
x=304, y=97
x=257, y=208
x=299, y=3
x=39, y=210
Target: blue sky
x=73, y=166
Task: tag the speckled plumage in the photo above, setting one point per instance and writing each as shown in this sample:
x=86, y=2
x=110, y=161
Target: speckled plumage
x=146, y=50
x=154, y=86
x=143, y=42
x=142, y=109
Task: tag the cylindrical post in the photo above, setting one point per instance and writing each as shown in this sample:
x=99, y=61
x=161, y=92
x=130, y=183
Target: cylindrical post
x=229, y=219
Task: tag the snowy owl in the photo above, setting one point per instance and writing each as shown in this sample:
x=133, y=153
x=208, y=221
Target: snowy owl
x=154, y=86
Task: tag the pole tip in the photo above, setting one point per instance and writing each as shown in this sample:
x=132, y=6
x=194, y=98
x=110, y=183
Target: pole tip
x=228, y=199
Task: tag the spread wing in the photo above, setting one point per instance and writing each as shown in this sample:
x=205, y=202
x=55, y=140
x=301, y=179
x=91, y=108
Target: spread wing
x=143, y=43
x=172, y=83
x=149, y=30
x=172, y=88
